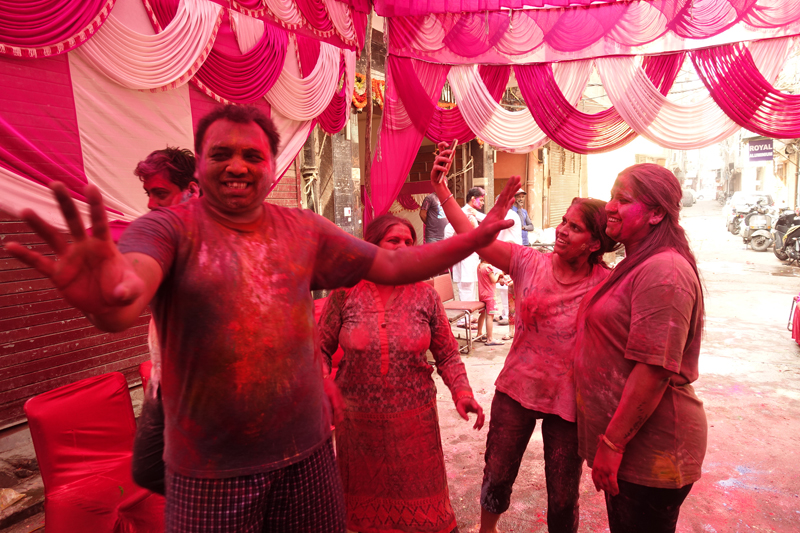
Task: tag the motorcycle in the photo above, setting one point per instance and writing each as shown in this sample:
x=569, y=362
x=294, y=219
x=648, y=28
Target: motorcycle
x=787, y=236
x=757, y=227
x=735, y=219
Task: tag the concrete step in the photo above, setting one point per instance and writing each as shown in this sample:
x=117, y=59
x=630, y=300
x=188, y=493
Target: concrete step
x=32, y=503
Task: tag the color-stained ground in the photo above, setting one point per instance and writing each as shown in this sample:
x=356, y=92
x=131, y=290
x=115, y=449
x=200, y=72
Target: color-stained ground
x=749, y=383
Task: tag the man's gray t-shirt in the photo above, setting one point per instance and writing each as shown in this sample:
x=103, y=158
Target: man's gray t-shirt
x=436, y=222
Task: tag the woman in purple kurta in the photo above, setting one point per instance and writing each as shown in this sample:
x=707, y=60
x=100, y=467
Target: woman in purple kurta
x=388, y=444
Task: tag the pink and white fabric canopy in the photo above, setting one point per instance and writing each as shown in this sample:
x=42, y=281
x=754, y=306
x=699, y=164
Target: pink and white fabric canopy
x=102, y=84
x=636, y=27
x=738, y=48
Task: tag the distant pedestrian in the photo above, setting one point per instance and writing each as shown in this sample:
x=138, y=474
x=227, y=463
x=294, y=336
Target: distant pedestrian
x=519, y=209
x=465, y=273
x=487, y=279
x=432, y=216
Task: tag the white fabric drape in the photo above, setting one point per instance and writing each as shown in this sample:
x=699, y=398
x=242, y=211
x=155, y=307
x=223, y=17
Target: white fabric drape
x=342, y=19
x=119, y=127
x=295, y=97
x=156, y=62
x=21, y=193
x=511, y=131
x=673, y=125
x=293, y=134
x=306, y=98
x=286, y=11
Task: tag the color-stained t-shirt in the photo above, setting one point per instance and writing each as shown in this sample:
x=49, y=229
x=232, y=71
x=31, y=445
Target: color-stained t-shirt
x=436, y=221
x=538, y=372
x=485, y=284
x=654, y=315
x=241, y=372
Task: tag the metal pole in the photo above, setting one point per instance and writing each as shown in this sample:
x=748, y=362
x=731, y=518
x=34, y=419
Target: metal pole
x=368, y=127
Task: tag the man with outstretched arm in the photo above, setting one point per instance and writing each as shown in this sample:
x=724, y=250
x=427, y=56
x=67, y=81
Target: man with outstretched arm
x=248, y=444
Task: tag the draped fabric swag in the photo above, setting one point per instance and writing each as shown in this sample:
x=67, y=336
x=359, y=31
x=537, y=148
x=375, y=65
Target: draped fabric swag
x=541, y=35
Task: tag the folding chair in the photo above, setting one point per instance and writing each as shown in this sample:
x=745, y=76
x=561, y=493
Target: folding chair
x=144, y=373
x=443, y=285
x=83, y=437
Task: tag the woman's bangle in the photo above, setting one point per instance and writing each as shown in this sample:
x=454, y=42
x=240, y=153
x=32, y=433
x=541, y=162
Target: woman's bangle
x=445, y=200
x=614, y=448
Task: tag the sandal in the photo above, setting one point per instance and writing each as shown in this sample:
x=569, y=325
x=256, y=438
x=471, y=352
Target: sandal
x=473, y=327
x=494, y=343
x=507, y=337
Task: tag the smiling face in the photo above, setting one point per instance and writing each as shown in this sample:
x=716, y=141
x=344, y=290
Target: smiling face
x=573, y=239
x=629, y=220
x=160, y=191
x=519, y=199
x=236, y=169
x=398, y=236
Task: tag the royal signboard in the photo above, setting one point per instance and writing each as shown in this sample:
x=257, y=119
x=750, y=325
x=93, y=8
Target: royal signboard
x=760, y=150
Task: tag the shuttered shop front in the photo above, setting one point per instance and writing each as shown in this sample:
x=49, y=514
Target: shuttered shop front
x=565, y=181
x=44, y=342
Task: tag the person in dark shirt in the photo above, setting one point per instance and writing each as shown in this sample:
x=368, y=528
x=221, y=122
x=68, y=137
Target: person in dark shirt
x=432, y=216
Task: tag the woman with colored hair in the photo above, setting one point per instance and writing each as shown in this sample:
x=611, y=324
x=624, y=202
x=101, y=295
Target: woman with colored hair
x=388, y=444
x=641, y=427
x=536, y=382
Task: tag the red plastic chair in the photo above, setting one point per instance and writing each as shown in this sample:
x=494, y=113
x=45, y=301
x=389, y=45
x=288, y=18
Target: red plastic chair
x=83, y=437
x=144, y=373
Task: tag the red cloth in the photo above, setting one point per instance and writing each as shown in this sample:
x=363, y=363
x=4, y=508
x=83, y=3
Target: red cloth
x=796, y=326
x=144, y=373
x=83, y=436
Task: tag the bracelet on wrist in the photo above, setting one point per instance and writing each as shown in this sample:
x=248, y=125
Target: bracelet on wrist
x=446, y=199
x=613, y=447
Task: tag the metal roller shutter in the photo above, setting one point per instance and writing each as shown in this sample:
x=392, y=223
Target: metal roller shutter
x=565, y=182
x=44, y=342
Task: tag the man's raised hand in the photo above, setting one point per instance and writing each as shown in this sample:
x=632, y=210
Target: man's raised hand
x=90, y=272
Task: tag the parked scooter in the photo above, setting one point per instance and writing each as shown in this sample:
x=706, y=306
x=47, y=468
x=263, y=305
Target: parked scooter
x=787, y=236
x=735, y=219
x=757, y=227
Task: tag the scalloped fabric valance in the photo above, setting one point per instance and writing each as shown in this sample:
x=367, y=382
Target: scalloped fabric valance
x=637, y=27
x=161, y=61
x=49, y=27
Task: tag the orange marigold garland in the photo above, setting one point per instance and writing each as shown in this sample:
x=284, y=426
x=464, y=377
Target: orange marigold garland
x=360, y=92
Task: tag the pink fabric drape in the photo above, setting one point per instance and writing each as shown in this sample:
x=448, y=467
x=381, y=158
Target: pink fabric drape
x=742, y=92
x=405, y=120
x=47, y=27
x=307, y=53
x=538, y=35
x=401, y=8
x=585, y=132
x=448, y=124
x=336, y=115
x=48, y=148
x=408, y=202
x=315, y=13
x=228, y=75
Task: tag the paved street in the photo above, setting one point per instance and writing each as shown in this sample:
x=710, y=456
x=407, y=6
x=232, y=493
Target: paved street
x=749, y=383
